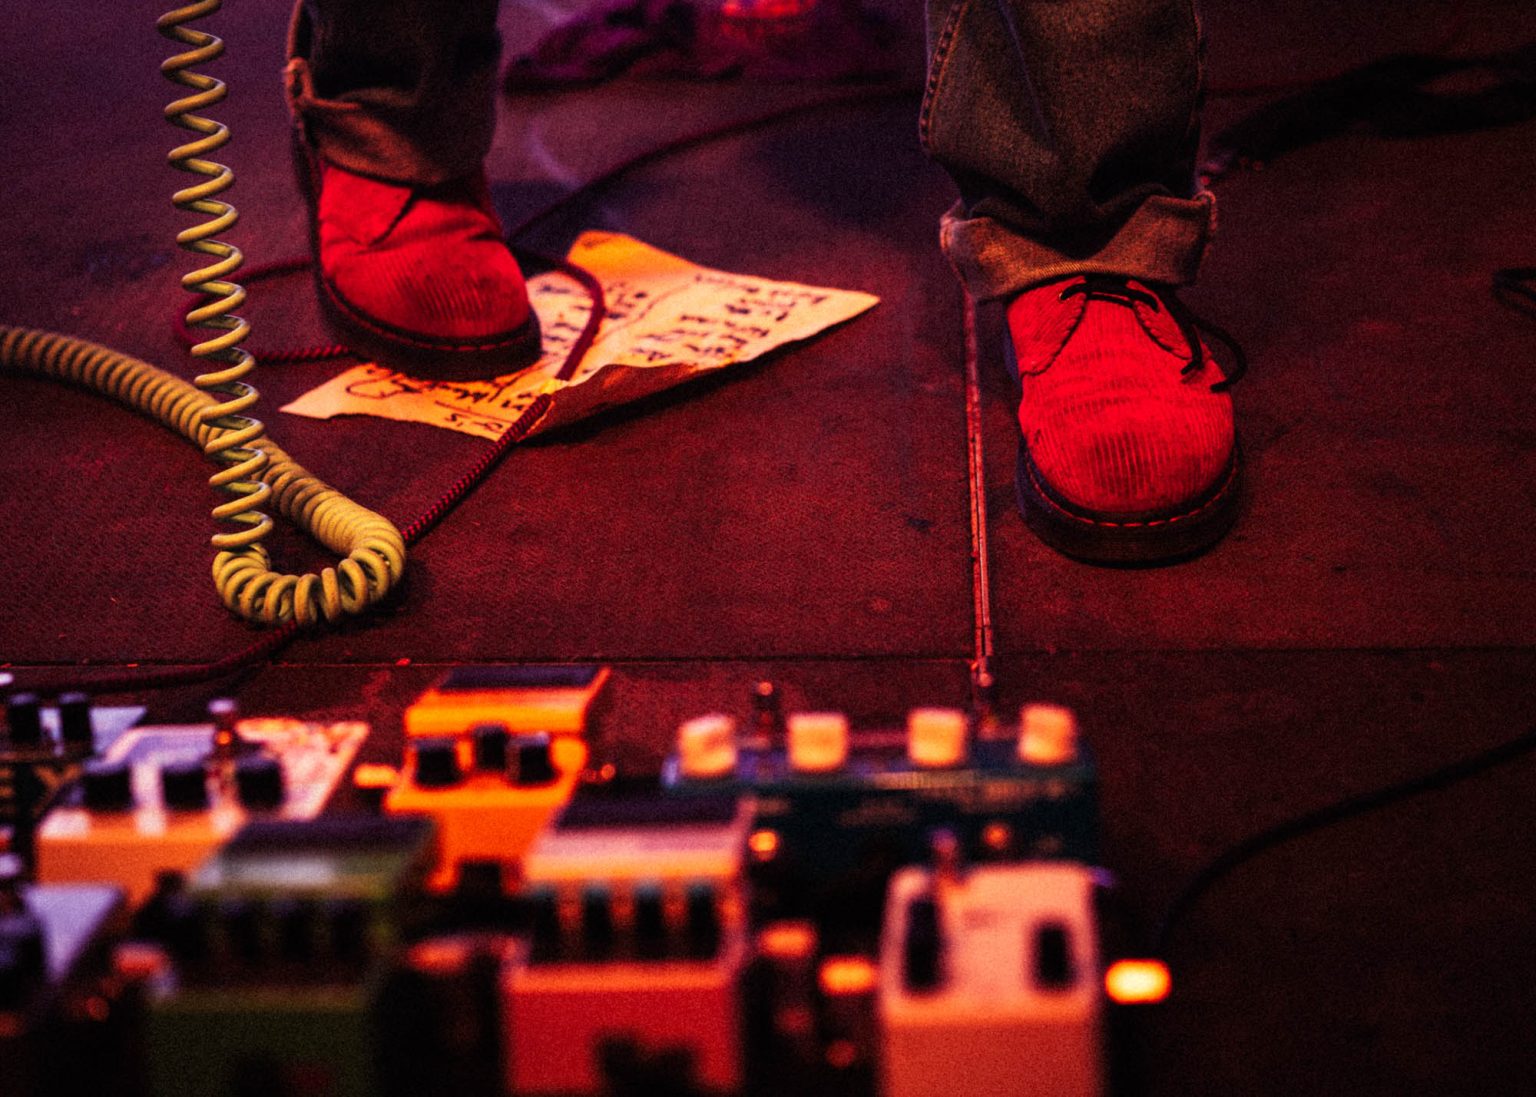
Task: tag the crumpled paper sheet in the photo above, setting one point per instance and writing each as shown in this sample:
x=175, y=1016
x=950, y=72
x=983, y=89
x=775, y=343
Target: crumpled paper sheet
x=668, y=321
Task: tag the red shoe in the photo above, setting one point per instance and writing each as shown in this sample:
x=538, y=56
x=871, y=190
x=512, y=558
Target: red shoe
x=419, y=277
x=1128, y=452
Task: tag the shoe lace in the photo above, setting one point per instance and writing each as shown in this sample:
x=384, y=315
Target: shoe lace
x=1115, y=288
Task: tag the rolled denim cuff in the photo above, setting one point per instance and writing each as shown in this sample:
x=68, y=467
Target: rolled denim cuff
x=1164, y=242
x=418, y=137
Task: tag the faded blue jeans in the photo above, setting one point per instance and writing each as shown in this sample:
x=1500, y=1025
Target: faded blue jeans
x=1069, y=126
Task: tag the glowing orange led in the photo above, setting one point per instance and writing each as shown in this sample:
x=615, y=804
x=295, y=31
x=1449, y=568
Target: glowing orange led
x=373, y=776
x=848, y=975
x=842, y=1054
x=763, y=844
x=1137, y=982
x=447, y=956
x=787, y=940
x=997, y=837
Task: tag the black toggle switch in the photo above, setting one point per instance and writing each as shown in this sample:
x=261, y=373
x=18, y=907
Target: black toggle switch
x=535, y=762
x=923, y=954
x=1053, y=965
x=437, y=763
x=75, y=728
x=294, y=919
x=703, y=921
x=24, y=719
x=240, y=919
x=259, y=782
x=185, y=925
x=106, y=786
x=544, y=924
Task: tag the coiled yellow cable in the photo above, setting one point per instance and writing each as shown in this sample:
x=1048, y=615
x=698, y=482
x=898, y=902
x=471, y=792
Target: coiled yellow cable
x=256, y=472
x=374, y=549
x=231, y=445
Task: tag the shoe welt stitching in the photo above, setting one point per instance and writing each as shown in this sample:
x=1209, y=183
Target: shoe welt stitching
x=1219, y=495
x=399, y=336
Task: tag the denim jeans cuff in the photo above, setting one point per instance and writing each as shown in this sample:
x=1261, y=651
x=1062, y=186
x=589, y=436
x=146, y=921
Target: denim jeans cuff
x=1163, y=242
x=368, y=137
x=398, y=136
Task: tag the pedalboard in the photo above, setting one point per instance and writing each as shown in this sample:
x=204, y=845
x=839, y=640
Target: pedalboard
x=789, y=904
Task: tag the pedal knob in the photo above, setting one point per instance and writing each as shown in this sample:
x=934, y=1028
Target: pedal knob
x=259, y=782
x=936, y=737
x=75, y=721
x=535, y=760
x=24, y=718
x=347, y=928
x=1047, y=735
x=107, y=786
x=706, y=747
x=702, y=926
x=544, y=921
x=184, y=785
x=922, y=958
x=187, y=928
x=818, y=741
x=1053, y=967
x=597, y=931
x=650, y=922
x=490, y=747
x=437, y=763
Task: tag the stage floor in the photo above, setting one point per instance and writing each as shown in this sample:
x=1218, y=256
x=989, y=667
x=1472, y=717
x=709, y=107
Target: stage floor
x=805, y=518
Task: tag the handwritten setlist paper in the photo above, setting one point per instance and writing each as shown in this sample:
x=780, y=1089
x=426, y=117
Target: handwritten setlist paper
x=668, y=321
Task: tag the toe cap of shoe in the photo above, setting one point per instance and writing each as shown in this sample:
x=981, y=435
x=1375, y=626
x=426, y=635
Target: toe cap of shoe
x=418, y=266
x=1127, y=451
x=438, y=293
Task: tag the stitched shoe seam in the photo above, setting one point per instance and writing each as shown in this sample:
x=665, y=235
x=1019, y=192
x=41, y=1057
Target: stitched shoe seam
x=1217, y=496
x=1151, y=334
x=415, y=339
x=1050, y=360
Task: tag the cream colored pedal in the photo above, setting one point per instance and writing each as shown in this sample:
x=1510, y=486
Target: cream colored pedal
x=162, y=799
x=994, y=973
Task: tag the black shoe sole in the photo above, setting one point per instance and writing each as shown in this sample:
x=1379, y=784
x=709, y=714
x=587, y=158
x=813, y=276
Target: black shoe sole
x=416, y=354
x=1155, y=539
x=438, y=360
